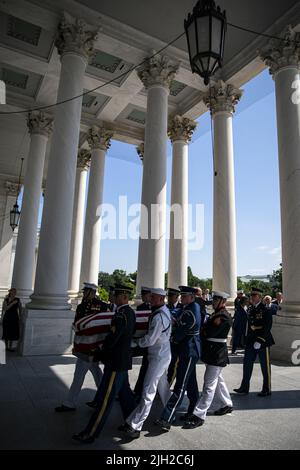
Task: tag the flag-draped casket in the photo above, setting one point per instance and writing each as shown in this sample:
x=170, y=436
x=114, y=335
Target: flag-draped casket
x=91, y=330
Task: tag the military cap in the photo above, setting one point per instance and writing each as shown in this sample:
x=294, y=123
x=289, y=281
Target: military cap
x=172, y=291
x=187, y=290
x=122, y=289
x=220, y=294
x=241, y=291
x=256, y=290
x=89, y=285
x=145, y=290
x=158, y=291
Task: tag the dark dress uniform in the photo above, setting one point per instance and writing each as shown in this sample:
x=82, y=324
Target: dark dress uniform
x=117, y=359
x=239, y=328
x=214, y=339
x=90, y=307
x=186, y=338
x=10, y=321
x=259, y=331
x=176, y=312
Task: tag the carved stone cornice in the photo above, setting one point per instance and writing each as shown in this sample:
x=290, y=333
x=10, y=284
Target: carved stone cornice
x=158, y=70
x=181, y=128
x=39, y=123
x=84, y=159
x=73, y=36
x=280, y=54
x=99, y=138
x=12, y=189
x=140, y=151
x=222, y=97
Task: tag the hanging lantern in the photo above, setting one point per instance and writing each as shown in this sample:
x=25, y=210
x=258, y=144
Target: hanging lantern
x=205, y=31
x=15, y=216
x=15, y=212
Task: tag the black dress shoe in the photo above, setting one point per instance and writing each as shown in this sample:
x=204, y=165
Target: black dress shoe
x=223, y=411
x=164, y=425
x=193, y=422
x=123, y=427
x=64, y=408
x=240, y=391
x=83, y=438
x=185, y=416
x=129, y=431
x=264, y=394
x=91, y=404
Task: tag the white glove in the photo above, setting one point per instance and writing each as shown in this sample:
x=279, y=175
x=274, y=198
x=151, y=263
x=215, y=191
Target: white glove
x=257, y=345
x=134, y=343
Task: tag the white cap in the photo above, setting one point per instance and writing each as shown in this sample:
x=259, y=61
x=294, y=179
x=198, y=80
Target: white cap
x=241, y=291
x=158, y=291
x=88, y=285
x=218, y=293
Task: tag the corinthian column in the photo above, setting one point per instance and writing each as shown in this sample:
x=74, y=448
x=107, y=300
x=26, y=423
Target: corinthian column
x=40, y=127
x=99, y=141
x=74, y=44
x=222, y=99
x=283, y=59
x=180, y=132
x=156, y=75
x=83, y=164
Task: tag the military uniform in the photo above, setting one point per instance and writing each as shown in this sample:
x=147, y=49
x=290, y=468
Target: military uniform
x=84, y=361
x=187, y=342
x=157, y=341
x=258, y=342
x=117, y=359
x=215, y=356
x=90, y=307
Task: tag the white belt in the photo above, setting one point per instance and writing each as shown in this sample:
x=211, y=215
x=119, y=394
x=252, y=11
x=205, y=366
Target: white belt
x=217, y=340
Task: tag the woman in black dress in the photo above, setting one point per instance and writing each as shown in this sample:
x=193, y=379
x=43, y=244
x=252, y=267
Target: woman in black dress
x=11, y=312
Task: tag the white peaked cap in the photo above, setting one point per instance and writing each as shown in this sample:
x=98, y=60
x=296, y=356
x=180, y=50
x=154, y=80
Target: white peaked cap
x=89, y=285
x=218, y=293
x=158, y=291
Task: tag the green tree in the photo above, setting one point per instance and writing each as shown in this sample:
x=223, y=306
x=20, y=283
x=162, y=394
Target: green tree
x=276, y=280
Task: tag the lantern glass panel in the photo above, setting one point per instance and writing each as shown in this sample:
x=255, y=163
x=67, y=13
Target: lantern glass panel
x=203, y=33
x=216, y=35
x=192, y=40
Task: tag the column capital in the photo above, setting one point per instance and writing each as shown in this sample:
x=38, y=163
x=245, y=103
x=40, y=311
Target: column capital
x=222, y=97
x=39, y=123
x=140, y=151
x=12, y=189
x=158, y=70
x=99, y=138
x=278, y=54
x=73, y=36
x=84, y=159
x=181, y=128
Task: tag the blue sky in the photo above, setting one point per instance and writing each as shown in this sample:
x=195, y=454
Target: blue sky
x=256, y=180
x=257, y=187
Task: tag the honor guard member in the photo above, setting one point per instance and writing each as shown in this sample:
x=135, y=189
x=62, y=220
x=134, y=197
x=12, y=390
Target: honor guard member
x=157, y=342
x=215, y=357
x=175, y=308
x=202, y=304
x=187, y=339
x=258, y=342
x=146, y=296
x=144, y=306
x=240, y=295
x=239, y=327
x=116, y=356
x=90, y=305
